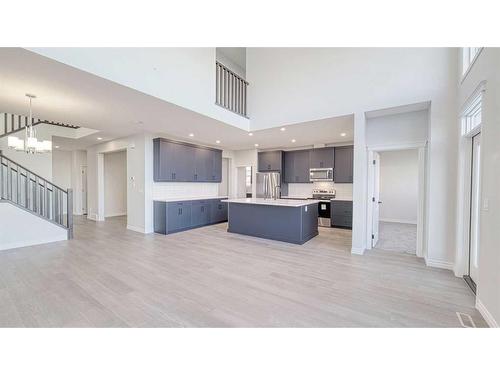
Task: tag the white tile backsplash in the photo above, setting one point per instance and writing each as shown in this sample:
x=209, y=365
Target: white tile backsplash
x=168, y=190
x=343, y=191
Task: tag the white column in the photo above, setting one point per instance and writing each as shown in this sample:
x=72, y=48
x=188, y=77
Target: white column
x=359, y=185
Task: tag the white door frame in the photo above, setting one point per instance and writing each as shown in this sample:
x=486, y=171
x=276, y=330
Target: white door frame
x=422, y=165
x=464, y=203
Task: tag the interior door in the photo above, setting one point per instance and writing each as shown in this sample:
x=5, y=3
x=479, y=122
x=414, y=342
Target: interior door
x=84, y=189
x=376, y=197
x=475, y=208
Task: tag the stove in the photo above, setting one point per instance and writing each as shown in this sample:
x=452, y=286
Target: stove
x=324, y=213
x=323, y=194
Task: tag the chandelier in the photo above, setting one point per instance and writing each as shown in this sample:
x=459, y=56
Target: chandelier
x=30, y=144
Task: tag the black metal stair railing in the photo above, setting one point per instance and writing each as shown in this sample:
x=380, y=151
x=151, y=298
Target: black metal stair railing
x=11, y=123
x=35, y=194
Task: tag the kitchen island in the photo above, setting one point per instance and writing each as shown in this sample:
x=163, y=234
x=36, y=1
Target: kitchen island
x=293, y=221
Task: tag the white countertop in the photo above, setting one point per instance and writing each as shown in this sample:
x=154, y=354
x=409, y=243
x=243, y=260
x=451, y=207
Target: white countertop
x=188, y=199
x=273, y=202
x=321, y=200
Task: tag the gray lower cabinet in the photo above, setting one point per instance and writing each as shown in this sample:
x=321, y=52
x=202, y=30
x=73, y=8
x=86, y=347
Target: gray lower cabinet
x=184, y=162
x=321, y=157
x=270, y=161
x=297, y=166
x=171, y=217
x=344, y=163
x=178, y=216
x=200, y=213
x=218, y=212
x=341, y=214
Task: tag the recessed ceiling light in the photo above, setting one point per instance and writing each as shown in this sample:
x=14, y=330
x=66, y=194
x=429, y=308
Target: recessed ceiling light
x=343, y=134
x=250, y=134
x=99, y=138
x=293, y=141
x=256, y=145
x=282, y=129
x=217, y=141
x=56, y=146
x=191, y=134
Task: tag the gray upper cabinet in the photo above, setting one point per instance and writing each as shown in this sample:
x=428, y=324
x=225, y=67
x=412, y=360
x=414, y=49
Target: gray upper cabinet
x=177, y=161
x=297, y=166
x=344, y=162
x=270, y=161
x=216, y=166
x=321, y=157
x=204, y=164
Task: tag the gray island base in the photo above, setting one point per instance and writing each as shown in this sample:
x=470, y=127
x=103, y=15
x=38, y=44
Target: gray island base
x=293, y=221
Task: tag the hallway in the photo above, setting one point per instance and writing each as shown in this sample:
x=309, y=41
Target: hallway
x=397, y=237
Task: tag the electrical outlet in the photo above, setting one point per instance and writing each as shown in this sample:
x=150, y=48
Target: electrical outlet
x=486, y=204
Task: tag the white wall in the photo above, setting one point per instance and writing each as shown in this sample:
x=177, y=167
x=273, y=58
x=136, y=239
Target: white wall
x=61, y=168
x=14, y=221
x=488, y=294
x=399, y=186
x=183, y=76
x=224, y=185
x=409, y=127
x=115, y=184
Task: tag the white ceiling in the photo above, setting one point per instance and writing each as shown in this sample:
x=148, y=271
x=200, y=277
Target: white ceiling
x=69, y=95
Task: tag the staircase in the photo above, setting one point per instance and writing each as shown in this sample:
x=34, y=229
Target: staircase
x=11, y=123
x=36, y=195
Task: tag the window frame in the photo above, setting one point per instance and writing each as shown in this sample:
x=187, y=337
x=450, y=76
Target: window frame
x=466, y=59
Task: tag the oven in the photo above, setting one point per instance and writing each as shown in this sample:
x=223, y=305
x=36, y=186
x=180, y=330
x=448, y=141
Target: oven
x=324, y=218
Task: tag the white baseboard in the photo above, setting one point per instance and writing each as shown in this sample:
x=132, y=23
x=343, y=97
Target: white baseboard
x=15, y=245
x=116, y=214
x=398, y=221
x=136, y=229
x=439, y=264
x=486, y=314
x=357, y=250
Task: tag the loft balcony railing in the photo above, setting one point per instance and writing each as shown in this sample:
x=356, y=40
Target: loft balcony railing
x=230, y=90
x=33, y=193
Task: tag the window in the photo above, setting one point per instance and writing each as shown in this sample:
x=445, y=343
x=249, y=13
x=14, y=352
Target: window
x=469, y=55
x=471, y=116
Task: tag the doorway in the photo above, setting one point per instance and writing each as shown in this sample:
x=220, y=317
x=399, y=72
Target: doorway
x=115, y=184
x=474, y=215
x=244, y=182
x=396, y=188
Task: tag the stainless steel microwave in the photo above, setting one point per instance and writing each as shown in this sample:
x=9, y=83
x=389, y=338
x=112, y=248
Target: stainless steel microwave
x=320, y=174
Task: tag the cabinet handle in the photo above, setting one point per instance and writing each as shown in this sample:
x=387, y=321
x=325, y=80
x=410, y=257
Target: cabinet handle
x=195, y=176
x=321, y=164
x=202, y=209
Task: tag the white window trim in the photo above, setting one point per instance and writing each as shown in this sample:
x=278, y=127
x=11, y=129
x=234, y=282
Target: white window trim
x=464, y=74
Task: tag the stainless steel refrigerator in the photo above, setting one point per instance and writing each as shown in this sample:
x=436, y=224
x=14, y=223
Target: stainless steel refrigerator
x=268, y=185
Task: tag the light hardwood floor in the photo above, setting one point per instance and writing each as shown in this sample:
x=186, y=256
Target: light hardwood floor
x=111, y=277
